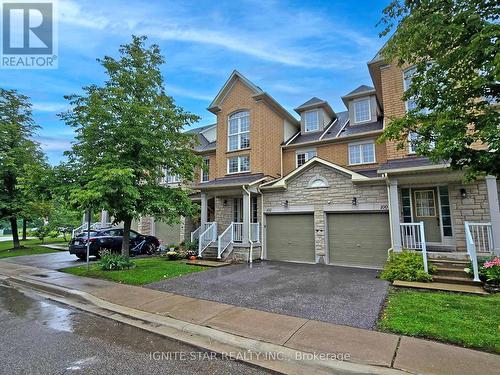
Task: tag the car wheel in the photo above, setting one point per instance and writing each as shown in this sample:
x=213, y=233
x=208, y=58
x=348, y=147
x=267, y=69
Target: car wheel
x=149, y=248
x=81, y=256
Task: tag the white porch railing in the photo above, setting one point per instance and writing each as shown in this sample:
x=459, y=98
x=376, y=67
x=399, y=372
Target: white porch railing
x=471, y=248
x=482, y=236
x=84, y=227
x=207, y=237
x=237, y=232
x=196, y=233
x=413, y=238
x=255, y=232
x=226, y=239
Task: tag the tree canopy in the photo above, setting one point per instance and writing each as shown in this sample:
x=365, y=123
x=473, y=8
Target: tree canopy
x=128, y=132
x=453, y=46
x=20, y=156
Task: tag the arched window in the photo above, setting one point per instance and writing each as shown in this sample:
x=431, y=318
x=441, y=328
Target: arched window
x=317, y=182
x=238, y=135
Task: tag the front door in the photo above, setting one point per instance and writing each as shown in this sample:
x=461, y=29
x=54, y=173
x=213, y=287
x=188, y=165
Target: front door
x=426, y=209
x=238, y=210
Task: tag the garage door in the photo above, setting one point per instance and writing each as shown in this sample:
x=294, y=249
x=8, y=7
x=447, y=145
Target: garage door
x=359, y=239
x=290, y=237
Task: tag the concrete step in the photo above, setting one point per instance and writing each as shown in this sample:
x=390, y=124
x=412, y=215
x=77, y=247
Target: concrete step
x=434, y=255
x=451, y=271
x=473, y=289
x=455, y=280
x=450, y=263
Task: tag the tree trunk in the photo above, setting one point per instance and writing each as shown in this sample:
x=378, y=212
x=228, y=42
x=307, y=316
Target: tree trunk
x=127, y=223
x=15, y=234
x=25, y=225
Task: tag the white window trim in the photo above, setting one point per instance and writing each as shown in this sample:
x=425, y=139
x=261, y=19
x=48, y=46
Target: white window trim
x=360, y=144
x=298, y=152
x=411, y=149
x=305, y=121
x=239, y=164
x=202, y=171
x=175, y=178
x=405, y=85
x=239, y=132
x=369, y=109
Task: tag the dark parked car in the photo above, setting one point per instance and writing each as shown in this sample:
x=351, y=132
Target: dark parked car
x=111, y=239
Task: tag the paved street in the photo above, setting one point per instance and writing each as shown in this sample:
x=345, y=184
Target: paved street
x=52, y=261
x=340, y=295
x=43, y=337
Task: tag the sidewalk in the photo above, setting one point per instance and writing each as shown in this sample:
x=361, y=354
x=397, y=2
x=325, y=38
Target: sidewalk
x=226, y=328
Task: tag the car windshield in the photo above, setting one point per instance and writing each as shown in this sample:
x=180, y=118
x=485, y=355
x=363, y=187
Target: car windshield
x=85, y=234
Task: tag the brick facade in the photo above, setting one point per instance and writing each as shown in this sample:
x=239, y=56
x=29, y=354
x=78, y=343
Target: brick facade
x=266, y=132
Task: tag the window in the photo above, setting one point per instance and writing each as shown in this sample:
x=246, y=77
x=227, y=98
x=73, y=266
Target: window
x=412, y=142
x=205, y=172
x=362, y=112
x=414, y=139
x=311, y=121
x=425, y=205
x=304, y=156
x=239, y=131
x=238, y=164
x=255, y=216
x=362, y=153
x=411, y=103
x=171, y=178
x=445, y=211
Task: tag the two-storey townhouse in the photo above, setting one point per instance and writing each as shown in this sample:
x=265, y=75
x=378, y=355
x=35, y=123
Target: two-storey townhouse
x=320, y=188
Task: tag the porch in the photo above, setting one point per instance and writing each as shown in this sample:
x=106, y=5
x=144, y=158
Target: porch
x=230, y=224
x=450, y=222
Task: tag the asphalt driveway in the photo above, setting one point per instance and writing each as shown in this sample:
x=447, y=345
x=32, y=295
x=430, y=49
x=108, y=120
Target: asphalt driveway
x=340, y=295
x=52, y=261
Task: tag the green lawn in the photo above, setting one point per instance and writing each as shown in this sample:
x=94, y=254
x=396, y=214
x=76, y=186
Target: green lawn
x=30, y=247
x=467, y=320
x=146, y=270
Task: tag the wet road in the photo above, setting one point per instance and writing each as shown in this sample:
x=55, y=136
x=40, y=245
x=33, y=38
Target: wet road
x=38, y=336
x=53, y=261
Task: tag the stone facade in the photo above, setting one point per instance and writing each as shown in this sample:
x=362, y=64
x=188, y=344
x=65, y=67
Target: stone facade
x=223, y=212
x=336, y=197
x=473, y=208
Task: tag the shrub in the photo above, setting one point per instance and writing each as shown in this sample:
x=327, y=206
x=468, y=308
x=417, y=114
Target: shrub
x=42, y=232
x=172, y=255
x=114, y=262
x=407, y=266
x=480, y=268
x=492, y=271
x=191, y=246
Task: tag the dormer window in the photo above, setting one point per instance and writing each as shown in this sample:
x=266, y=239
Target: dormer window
x=362, y=111
x=311, y=120
x=239, y=131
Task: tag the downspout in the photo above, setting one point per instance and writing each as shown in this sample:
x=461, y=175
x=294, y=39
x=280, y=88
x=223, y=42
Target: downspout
x=250, y=255
x=261, y=226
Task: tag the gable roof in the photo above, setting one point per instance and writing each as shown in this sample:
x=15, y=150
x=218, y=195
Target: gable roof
x=282, y=182
x=203, y=142
x=316, y=102
x=357, y=92
x=258, y=94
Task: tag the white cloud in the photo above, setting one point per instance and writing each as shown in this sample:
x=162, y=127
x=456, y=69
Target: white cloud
x=179, y=91
x=50, y=107
x=53, y=144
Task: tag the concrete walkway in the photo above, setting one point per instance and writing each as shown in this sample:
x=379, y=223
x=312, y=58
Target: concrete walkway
x=381, y=351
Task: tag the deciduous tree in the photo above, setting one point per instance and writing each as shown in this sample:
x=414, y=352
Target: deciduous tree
x=454, y=46
x=127, y=132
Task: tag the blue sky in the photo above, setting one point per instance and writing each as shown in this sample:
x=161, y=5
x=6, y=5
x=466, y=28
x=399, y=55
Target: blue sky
x=292, y=49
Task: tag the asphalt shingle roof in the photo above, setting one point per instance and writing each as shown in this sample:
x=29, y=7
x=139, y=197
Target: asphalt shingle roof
x=236, y=180
x=360, y=89
x=410, y=162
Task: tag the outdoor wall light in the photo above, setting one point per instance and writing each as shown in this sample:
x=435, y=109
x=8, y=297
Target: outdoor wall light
x=463, y=193
x=285, y=203
x=224, y=203
x=354, y=201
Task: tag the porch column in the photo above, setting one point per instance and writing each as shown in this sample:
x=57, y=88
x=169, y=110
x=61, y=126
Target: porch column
x=394, y=214
x=104, y=217
x=204, y=209
x=492, y=187
x=246, y=217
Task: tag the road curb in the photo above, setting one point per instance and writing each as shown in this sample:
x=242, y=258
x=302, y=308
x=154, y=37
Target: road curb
x=272, y=357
